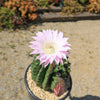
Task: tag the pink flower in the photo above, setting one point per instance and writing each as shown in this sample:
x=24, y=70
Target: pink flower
x=51, y=46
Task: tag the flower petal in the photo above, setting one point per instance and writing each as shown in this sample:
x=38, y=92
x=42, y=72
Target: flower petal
x=51, y=46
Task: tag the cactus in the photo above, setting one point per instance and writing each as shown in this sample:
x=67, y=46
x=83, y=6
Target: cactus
x=47, y=77
x=40, y=74
x=50, y=78
x=67, y=66
x=35, y=68
x=60, y=69
x=58, y=85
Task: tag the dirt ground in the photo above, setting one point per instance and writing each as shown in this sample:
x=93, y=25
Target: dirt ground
x=84, y=36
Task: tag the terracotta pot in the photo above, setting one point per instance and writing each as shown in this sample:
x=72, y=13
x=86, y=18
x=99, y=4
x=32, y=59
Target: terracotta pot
x=31, y=94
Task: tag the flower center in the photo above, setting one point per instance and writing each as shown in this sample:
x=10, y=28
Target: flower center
x=49, y=48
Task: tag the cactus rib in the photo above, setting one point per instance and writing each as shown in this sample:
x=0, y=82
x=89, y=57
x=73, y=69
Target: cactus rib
x=40, y=76
x=47, y=77
x=35, y=67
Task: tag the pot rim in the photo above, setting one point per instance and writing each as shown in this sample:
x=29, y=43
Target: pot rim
x=35, y=97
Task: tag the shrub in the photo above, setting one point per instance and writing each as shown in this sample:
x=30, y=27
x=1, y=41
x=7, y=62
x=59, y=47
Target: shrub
x=72, y=6
x=94, y=6
x=83, y=2
x=25, y=8
x=6, y=17
x=43, y=3
x=2, y=2
x=18, y=20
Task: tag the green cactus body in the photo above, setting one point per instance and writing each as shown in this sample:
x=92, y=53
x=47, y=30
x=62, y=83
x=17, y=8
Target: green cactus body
x=67, y=66
x=40, y=76
x=50, y=78
x=60, y=69
x=47, y=77
x=35, y=67
x=54, y=82
x=34, y=70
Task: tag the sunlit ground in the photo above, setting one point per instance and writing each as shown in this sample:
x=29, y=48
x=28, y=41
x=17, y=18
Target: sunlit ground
x=84, y=36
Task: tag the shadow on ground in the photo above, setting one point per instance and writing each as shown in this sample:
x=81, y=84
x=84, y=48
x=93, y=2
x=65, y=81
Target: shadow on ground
x=87, y=97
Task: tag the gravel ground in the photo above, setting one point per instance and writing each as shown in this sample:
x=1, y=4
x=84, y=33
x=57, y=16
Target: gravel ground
x=85, y=55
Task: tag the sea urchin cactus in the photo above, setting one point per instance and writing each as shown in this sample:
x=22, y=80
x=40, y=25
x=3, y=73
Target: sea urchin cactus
x=50, y=66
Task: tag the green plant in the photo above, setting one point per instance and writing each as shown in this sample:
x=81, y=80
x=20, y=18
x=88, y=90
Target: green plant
x=6, y=17
x=51, y=77
x=72, y=7
x=56, y=2
x=43, y=3
x=24, y=8
x=83, y=1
